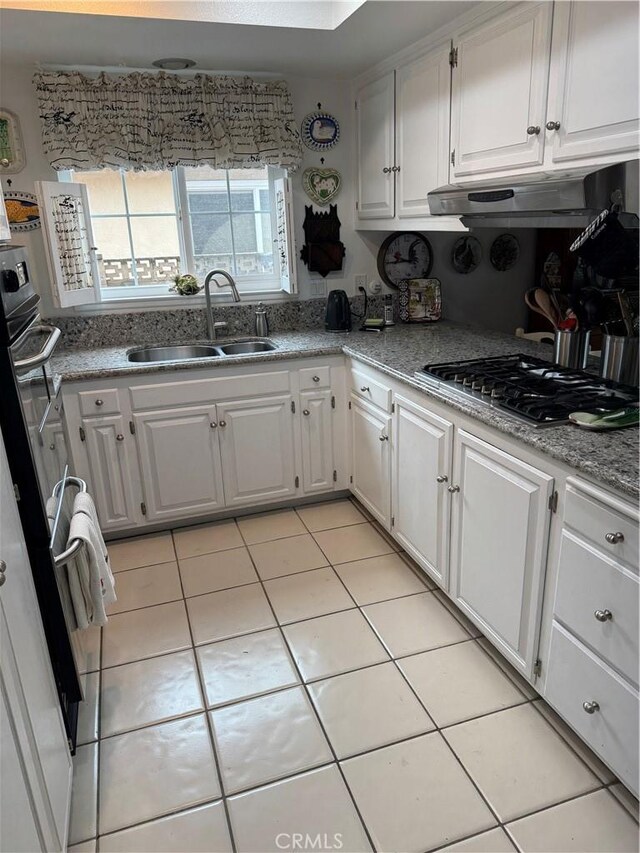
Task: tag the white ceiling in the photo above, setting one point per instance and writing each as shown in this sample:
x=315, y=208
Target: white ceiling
x=374, y=31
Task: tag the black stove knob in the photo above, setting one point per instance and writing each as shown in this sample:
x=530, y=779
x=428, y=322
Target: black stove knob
x=10, y=281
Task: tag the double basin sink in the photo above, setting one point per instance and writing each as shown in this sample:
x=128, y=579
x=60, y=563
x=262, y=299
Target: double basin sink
x=189, y=352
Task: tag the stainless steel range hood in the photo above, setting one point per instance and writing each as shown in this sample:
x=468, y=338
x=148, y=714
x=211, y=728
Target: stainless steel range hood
x=563, y=202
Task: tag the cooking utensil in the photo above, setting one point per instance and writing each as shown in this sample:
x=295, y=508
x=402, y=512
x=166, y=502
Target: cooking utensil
x=529, y=298
x=544, y=301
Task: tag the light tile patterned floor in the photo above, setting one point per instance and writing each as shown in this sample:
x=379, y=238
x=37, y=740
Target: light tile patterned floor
x=291, y=682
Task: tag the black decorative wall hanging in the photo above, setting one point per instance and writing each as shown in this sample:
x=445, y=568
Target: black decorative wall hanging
x=323, y=252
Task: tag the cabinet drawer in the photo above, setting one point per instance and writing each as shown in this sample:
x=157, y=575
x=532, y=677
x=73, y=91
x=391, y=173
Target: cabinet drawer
x=101, y=402
x=594, y=515
x=367, y=388
x=590, y=582
x=314, y=377
x=576, y=676
x=207, y=391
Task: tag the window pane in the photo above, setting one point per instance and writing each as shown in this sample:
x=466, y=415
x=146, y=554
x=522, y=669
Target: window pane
x=156, y=247
x=216, y=202
x=265, y=200
x=241, y=200
x=244, y=233
x=150, y=192
x=205, y=263
x=211, y=233
x=105, y=190
x=114, y=252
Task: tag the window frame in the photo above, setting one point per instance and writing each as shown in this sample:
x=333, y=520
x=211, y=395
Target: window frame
x=268, y=286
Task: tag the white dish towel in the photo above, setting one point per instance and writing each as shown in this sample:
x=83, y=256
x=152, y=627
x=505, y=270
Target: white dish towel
x=91, y=582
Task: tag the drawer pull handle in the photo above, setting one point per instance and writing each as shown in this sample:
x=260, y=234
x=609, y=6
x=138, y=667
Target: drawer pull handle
x=453, y=489
x=119, y=437
x=603, y=615
x=590, y=707
x=614, y=538
x=365, y=388
x=316, y=378
x=442, y=478
x=99, y=402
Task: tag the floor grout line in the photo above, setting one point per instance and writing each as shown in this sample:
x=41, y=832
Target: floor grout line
x=305, y=686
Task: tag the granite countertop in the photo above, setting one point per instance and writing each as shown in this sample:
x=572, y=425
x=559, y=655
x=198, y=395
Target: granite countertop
x=609, y=458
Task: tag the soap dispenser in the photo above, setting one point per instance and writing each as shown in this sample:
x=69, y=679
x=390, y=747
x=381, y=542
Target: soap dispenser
x=262, y=323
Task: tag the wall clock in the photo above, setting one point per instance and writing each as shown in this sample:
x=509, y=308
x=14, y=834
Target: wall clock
x=404, y=254
x=320, y=131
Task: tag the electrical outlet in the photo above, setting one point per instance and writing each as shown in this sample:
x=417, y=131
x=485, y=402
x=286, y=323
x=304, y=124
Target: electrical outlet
x=318, y=287
x=361, y=281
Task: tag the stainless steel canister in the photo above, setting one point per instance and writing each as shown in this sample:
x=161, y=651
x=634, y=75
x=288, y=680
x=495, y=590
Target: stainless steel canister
x=571, y=348
x=619, y=359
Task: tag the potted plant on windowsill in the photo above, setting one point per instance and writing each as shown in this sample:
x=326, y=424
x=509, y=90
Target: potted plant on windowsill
x=185, y=285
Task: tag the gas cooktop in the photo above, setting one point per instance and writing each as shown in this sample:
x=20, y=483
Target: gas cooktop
x=529, y=388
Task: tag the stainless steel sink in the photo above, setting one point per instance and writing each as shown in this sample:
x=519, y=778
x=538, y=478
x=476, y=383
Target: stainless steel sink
x=244, y=347
x=184, y=352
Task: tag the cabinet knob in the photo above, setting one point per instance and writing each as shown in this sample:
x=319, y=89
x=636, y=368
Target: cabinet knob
x=603, y=615
x=306, y=412
x=386, y=169
x=442, y=479
x=395, y=168
x=365, y=388
x=119, y=437
x=213, y=424
x=533, y=129
x=553, y=125
x=99, y=402
x=614, y=538
x=453, y=489
x=384, y=438
x=222, y=423
x=590, y=707
x=316, y=378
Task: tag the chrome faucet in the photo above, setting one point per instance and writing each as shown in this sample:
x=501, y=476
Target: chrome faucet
x=212, y=326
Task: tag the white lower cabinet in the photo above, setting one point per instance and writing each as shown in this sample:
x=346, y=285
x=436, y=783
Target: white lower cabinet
x=499, y=533
x=257, y=449
x=371, y=458
x=107, y=457
x=316, y=441
x=422, y=452
x=180, y=461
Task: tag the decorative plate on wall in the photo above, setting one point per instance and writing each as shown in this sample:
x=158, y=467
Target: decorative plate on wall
x=23, y=212
x=420, y=300
x=320, y=131
x=321, y=185
x=504, y=252
x=466, y=254
x=404, y=254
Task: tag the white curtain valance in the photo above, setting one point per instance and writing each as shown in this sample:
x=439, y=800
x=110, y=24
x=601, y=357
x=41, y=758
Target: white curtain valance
x=158, y=121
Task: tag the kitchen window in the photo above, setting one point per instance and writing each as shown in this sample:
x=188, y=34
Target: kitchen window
x=147, y=227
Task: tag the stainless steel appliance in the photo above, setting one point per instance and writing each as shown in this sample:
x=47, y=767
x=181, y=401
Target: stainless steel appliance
x=619, y=359
x=338, y=313
x=547, y=202
x=527, y=388
x=33, y=428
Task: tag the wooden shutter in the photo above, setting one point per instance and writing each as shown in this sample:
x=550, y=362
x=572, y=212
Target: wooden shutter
x=285, y=243
x=66, y=223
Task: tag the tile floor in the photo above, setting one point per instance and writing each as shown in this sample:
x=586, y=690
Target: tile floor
x=289, y=681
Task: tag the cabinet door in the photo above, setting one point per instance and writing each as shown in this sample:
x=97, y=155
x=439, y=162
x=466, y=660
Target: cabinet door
x=180, y=461
x=423, y=90
x=371, y=458
x=422, y=449
x=317, y=441
x=500, y=91
x=499, y=532
x=375, y=129
x=257, y=449
x=107, y=442
x=593, y=84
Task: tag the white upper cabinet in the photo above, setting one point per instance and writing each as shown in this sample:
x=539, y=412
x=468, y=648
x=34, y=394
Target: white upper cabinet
x=499, y=92
x=376, y=148
x=593, y=85
x=422, y=129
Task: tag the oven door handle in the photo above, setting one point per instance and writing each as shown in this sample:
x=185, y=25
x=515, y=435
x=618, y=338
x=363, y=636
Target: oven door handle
x=23, y=365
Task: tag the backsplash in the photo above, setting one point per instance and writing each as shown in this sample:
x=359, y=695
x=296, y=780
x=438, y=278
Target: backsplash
x=146, y=327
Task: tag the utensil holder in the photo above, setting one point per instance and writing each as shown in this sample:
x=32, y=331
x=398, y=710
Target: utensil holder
x=619, y=359
x=571, y=348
